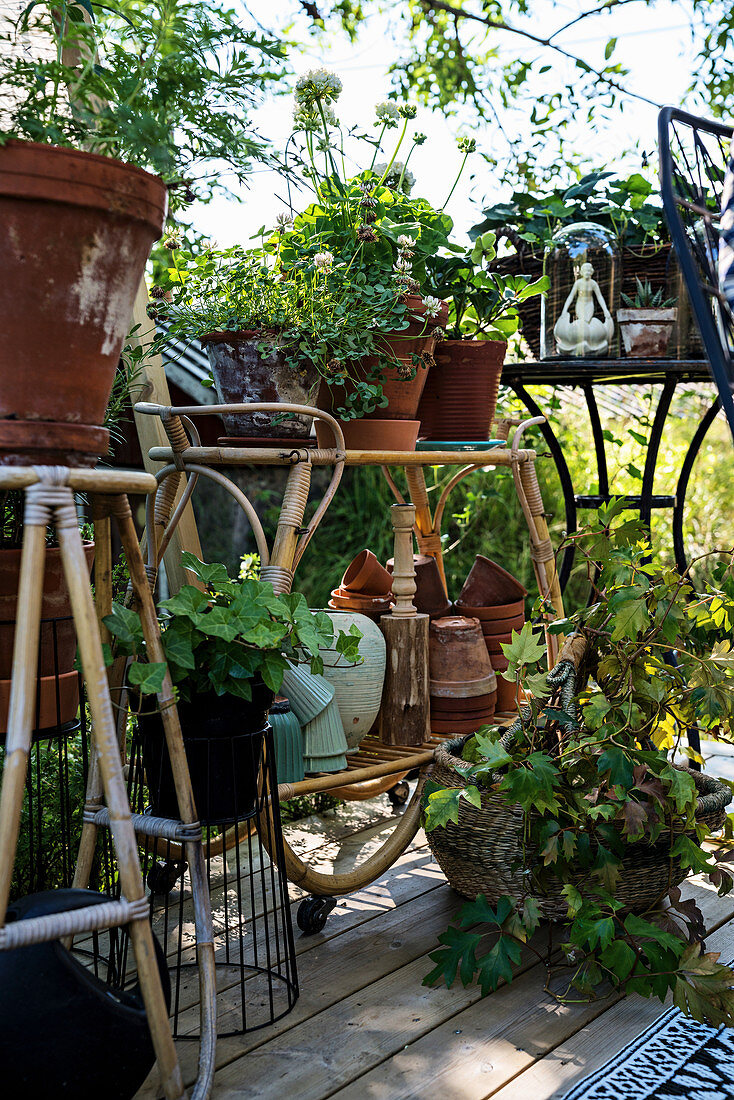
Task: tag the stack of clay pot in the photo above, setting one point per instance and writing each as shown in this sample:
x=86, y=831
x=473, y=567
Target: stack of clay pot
x=462, y=685
x=366, y=587
x=430, y=595
x=493, y=596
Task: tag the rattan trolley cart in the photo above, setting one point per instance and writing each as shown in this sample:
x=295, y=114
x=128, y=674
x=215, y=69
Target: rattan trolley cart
x=376, y=767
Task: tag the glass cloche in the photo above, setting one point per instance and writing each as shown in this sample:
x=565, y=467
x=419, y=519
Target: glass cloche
x=578, y=312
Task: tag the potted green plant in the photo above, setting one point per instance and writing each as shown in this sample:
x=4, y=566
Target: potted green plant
x=226, y=648
x=646, y=324
x=103, y=101
x=460, y=396
x=576, y=814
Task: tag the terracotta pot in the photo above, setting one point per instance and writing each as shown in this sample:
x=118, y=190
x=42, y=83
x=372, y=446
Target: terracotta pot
x=459, y=664
x=365, y=576
x=492, y=627
x=57, y=701
x=459, y=399
x=502, y=611
x=646, y=332
x=488, y=584
x=506, y=697
x=351, y=601
x=496, y=641
x=430, y=596
x=242, y=374
x=457, y=727
x=58, y=637
x=77, y=231
x=458, y=709
x=372, y=435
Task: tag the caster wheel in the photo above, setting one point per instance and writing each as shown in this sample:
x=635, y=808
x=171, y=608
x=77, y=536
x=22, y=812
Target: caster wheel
x=163, y=875
x=312, y=914
x=399, y=794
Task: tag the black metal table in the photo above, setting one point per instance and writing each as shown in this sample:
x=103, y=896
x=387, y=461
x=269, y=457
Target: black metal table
x=585, y=374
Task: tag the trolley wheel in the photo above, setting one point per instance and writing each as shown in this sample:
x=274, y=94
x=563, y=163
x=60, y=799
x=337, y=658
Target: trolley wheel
x=163, y=875
x=312, y=914
x=399, y=794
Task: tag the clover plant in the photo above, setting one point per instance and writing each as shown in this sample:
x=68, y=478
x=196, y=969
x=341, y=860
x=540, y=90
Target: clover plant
x=221, y=638
x=594, y=781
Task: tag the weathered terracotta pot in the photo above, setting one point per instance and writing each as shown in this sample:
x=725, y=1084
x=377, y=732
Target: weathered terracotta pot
x=57, y=701
x=459, y=399
x=365, y=576
x=77, y=230
x=489, y=584
x=447, y=707
x=458, y=659
x=430, y=596
x=372, y=435
x=351, y=601
x=58, y=637
x=646, y=332
x=500, y=611
x=242, y=374
x=492, y=627
x=506, y=697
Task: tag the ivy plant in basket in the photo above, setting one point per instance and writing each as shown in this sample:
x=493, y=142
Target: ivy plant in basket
x=101, y=98
x=576, y=814
x=226, y=648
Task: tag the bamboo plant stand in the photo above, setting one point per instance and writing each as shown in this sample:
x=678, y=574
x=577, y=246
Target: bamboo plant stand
x=49, y=499
x=376, y=766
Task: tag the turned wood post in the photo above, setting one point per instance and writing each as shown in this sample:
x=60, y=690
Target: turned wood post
x=405, y=710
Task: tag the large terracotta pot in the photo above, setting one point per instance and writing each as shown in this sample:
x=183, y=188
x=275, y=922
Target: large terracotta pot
x=77, y=230
x=459, y=399
x=372, y=435
x=242, y=374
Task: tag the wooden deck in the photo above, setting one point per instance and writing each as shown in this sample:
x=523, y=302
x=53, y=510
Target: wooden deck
x=364, y=1028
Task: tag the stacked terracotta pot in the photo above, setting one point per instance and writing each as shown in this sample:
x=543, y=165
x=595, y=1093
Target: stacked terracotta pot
x=497, y=600
x=366, y=587
x=430, y=595
x=462, y=686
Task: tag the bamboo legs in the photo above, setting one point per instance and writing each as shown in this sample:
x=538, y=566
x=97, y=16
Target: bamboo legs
x=50, y=498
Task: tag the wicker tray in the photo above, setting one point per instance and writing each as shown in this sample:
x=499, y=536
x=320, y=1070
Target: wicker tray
x=477, y=854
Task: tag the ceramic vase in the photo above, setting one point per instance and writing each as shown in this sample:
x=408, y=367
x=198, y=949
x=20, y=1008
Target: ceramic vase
x=358, y=688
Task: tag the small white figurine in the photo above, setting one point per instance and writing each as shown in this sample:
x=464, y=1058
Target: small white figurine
x=587, y=335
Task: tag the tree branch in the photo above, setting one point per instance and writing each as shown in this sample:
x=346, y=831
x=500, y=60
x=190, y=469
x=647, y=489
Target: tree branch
x=608, y=6
x=546, y=43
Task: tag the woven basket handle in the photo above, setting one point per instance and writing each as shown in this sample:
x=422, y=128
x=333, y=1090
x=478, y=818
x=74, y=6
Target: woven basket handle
x=574, y=650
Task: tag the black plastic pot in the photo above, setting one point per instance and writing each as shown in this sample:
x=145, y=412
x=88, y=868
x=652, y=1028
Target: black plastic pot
x=223, y=737
x=62, y=1025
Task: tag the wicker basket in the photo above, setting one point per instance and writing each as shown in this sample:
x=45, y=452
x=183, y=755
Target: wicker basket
x=477, y=855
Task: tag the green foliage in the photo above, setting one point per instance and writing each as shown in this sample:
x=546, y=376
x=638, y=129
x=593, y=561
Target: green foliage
x=481, y=303
x=165, y=85
x=592, y=776
x=646, y=298
x=222, y=638
x=620, y=205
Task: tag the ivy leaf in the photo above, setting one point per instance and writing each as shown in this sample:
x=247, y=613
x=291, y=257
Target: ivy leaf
x=126, y=626
x=524, y=648
x=619, y=957
x=615, y=763
x=494, y=754
x=630, y=619
x=530, y=915
x=640, y=928
x=573, y=899
x=147, y=677
x=272, y=668
x=214, y=576
x=459, y=949
x=442, y=807
x=188, y=601
x=496, y=965
x=635, y=820
x=681, y=788
x=704, y=988
x=607, y=866
x=690, y=855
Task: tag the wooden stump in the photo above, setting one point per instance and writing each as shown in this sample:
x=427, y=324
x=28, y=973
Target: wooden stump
x=405, y=711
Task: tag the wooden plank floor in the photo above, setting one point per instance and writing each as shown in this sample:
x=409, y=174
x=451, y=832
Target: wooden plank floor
x=364, y=1028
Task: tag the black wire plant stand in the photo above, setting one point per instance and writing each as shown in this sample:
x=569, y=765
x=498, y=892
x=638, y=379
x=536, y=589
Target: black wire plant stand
x=257, y=979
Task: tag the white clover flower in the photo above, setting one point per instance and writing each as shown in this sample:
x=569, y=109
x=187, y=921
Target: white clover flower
x=323, y=261
x=317, y=85
x=283, y=221
x=386, y=112
x=392, y=179
x=432, y=306
x=467, y=144
x=308, y=119
x=406, y=242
